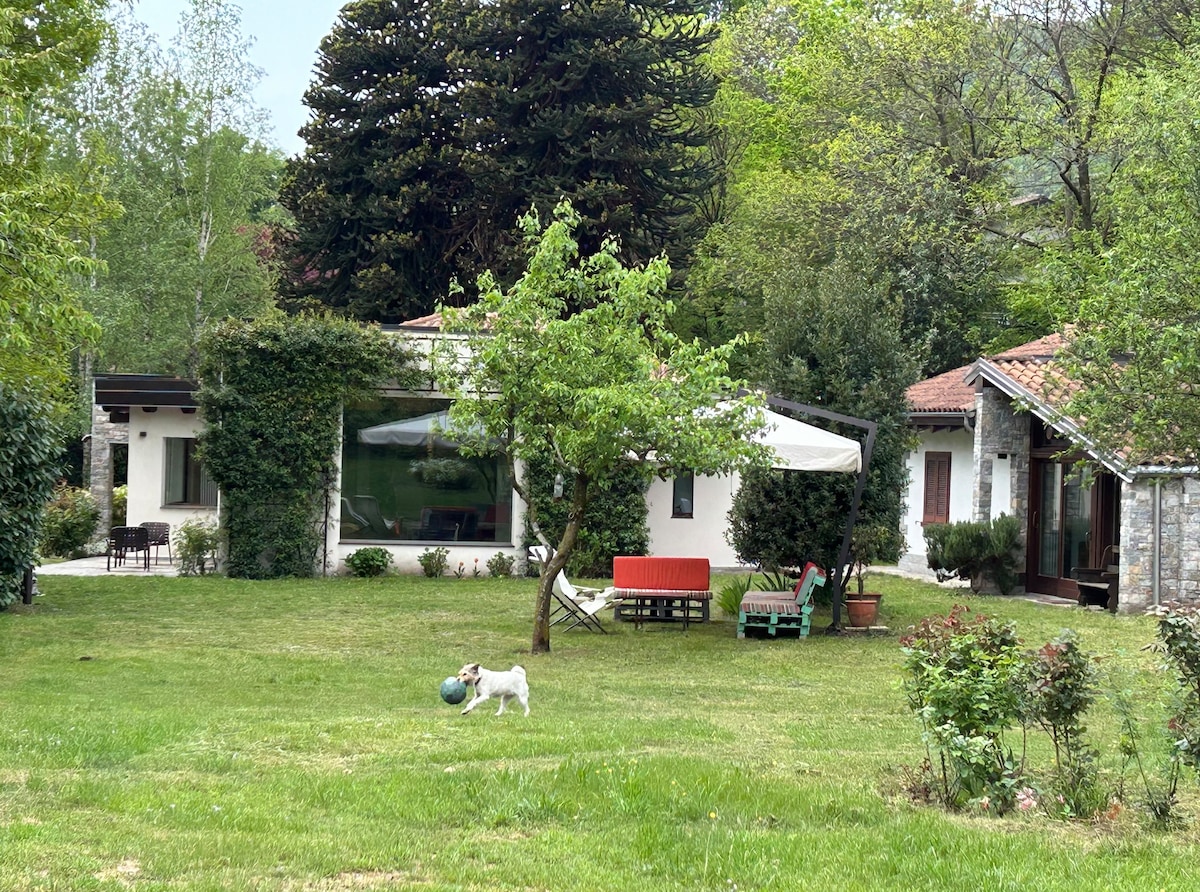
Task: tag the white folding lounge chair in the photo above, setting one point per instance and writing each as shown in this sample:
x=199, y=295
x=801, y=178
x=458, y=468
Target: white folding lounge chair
x=576, y=606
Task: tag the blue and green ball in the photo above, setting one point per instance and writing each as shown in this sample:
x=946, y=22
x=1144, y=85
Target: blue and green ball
x=453, y=690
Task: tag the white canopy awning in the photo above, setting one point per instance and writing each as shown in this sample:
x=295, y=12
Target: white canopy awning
x=803, y=447
x=424, y=430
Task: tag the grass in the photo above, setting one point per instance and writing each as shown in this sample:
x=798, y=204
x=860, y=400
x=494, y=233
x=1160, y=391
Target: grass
x=198, y=734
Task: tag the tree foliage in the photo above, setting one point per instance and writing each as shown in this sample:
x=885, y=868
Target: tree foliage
x=43, y=206
x=272, y=392
x=175, y=136
x=592, y=389
x=871, y=125
x=1132, y=305
x=437, y=123
x=847, y=356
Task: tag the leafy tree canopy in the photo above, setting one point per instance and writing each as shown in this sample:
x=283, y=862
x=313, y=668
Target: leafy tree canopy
x=591, y=389
x=43, y=207
x=174, y=134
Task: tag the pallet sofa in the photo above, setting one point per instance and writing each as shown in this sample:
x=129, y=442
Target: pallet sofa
x=661, y=589
x=773, y=611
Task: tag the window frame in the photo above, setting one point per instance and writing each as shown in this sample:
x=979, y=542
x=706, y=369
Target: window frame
x=683, y=482
x=937, y=473
x=183, y=470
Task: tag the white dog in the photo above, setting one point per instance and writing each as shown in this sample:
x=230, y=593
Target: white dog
x=488, y=684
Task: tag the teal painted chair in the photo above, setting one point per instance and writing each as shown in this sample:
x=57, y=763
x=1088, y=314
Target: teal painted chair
x=781, y=610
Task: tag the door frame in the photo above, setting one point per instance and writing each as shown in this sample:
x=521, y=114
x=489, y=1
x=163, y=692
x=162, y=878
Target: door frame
x=1102, y=531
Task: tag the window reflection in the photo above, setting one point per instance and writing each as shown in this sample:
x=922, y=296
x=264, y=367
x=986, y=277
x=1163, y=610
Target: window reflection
x=403, y=480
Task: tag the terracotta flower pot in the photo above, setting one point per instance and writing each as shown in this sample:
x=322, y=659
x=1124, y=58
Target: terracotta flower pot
x=862, y=610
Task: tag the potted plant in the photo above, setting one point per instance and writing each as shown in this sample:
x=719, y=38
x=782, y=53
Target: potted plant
x=868, y=544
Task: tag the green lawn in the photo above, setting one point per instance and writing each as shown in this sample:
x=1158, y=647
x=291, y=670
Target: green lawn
x=200, y=734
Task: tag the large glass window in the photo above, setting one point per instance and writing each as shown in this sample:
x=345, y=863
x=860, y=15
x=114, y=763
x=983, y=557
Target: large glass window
x=186, y=482
x=404, y=481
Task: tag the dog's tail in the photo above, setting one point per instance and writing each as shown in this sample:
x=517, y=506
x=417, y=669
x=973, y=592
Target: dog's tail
x=520, y=669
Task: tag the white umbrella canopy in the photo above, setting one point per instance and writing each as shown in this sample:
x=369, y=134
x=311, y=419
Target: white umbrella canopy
x=803, y=447
x=420, y=431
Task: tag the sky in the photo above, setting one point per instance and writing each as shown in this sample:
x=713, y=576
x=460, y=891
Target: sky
x=286, y=34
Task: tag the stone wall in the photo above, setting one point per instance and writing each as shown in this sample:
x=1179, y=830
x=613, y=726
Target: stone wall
x=1178, y=542
x=105, y=434
x=1000, y=430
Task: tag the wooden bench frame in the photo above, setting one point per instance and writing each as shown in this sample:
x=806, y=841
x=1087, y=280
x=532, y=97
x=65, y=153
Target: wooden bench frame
x=782, y=610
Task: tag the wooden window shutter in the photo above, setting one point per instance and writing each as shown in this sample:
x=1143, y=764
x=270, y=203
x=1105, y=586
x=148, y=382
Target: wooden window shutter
x=937, y=488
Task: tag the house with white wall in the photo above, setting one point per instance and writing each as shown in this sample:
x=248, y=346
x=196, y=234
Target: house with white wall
x=401, y=484
x=993, y=438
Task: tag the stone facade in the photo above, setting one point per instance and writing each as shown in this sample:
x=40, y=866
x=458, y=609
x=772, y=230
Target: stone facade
x=1176, y=541
x=105, y=435
x=1000, y=430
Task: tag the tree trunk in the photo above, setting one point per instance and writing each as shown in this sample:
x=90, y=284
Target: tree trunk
x=552, y=567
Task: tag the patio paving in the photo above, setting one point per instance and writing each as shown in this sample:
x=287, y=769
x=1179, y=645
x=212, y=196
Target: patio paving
x=95, y=566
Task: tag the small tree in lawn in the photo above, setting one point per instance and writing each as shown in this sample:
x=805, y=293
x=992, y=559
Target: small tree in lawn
x=592, y=389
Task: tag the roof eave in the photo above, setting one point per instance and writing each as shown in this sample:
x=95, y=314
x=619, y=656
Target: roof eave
x=1049, y=414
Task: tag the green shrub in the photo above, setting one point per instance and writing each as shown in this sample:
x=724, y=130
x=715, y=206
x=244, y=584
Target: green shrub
x=501, y=564
x=29, y=448
x=1058, y=685
x=614, y=521
x=196, y=544
x=729, y=595
x=434, y=561
x=961, y=683
x=71, y=519
x=977, y=551
x=120, y=501
x=369, y=561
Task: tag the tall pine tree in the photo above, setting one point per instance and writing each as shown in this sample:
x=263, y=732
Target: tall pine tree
x=436, y=125
x=377, y=188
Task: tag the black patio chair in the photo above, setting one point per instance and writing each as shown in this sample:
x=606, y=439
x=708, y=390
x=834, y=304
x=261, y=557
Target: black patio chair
x=160, y=535
x=124, y=541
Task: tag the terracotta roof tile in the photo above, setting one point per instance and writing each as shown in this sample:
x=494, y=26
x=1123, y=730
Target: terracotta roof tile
x=1042, y=377
x=947, y=392
x=1042, y=348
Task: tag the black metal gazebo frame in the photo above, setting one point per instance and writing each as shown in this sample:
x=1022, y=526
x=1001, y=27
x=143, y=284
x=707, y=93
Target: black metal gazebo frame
x=868, y=446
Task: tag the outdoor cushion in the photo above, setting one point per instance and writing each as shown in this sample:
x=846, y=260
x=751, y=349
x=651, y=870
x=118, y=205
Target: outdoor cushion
x=660, y=574
x=771, y=602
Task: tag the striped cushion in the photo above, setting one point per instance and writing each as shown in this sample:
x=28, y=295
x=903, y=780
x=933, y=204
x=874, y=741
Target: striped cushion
x=662, y=593
x=770, y=602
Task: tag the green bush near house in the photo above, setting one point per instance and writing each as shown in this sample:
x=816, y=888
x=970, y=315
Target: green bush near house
x=981, y=552
x=71, y=520
x=29, y=444
x=196, y=544
x=120, y=499
x=501, y=564
x=369, y=561
x=614, y=521
x=272, y=391
x=434, y=561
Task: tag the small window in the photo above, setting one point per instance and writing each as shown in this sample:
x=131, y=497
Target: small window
x=186, y=482
x=681, y=495
x=937, y=488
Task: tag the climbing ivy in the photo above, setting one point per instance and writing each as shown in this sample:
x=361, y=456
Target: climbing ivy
x=272, y=392
x=30, y=443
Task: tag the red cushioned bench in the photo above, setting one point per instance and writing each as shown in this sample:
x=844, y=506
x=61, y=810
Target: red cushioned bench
x=661, y=589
